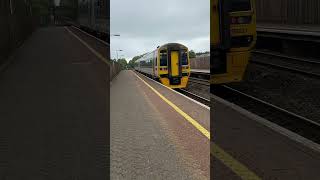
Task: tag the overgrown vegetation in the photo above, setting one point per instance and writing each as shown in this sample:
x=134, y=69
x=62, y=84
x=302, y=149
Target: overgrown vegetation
x=41, y=10
x=123, y=63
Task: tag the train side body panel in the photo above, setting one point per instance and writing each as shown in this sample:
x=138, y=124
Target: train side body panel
x=233, y=61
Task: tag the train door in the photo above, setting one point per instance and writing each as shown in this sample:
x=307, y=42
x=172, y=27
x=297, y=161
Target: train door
x=155, y=64
x=220, y=37
x=174, y=63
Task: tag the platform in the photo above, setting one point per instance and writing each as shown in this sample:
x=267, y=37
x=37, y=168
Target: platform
x=290, y=29
x=289, y=32
x=149, y=138
x=205, y=71
x=265, y=149
x=53, y=110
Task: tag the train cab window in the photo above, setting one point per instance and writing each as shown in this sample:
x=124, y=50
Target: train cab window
x=240, y=5
x=184, y=58
x=163, y=58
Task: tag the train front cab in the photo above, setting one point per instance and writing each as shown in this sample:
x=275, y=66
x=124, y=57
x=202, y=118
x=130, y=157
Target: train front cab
x=173, y=65
x=240, y=20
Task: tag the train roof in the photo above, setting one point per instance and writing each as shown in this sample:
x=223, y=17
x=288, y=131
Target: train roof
x=181, y=46
x=173, y=45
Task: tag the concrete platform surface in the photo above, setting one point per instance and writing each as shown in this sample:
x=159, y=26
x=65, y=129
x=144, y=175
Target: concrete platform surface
x=265, y=149
x=149, y=139
x=53, y=110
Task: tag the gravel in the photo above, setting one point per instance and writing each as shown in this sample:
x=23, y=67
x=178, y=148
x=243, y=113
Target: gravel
x=295, y=93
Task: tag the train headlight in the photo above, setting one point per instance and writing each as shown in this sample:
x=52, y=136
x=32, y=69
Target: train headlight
x=241, y=20
x=234, y=20
x=249, y=39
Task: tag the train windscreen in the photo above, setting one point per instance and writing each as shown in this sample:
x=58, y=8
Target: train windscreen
x=163, y=58
x=240, y=5
x=184, y=58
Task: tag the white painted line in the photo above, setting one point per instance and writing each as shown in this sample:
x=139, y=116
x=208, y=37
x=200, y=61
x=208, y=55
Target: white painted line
x=199, y=103
x=89, y=47
x=91, y=36
x=285, y=132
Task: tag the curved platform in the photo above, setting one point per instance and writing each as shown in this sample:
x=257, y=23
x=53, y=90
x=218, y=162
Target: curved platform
x=151, y=137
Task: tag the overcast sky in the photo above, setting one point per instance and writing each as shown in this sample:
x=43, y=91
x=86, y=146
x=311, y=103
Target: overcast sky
x=57, y=2
x=146, y=24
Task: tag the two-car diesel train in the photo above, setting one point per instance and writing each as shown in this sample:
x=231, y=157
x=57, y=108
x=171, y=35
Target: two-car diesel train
x=169, y=64
x=233, y=36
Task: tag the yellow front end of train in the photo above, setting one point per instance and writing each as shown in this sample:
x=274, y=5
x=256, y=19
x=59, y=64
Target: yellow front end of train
x=169, y=64
x=233, y=35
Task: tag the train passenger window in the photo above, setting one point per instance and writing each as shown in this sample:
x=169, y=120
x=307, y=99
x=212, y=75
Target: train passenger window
x=163, y=58
x=240, y=5
x=142, y=63
x=184, y=58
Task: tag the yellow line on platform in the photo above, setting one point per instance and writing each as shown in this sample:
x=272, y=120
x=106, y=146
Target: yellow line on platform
x=89, y=47
x=241, y=170
x=203, y=130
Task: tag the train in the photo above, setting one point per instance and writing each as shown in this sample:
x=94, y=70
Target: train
x=169, y=64
x=93, y=16
x=233, y=36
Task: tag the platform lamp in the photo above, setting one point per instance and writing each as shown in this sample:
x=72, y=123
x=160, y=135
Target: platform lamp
x=117, y=53
x=117, y=35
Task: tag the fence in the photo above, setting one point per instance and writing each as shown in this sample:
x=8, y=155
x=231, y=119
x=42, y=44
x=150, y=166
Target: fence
x=16, y=24
x=288, y=11
x=200, y=62
x=115, y=68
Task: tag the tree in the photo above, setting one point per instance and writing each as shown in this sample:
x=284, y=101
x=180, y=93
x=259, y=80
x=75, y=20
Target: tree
x=133, y=60
x=192, y=54
x=131, y=64
x=123, y=63
x=200, y=53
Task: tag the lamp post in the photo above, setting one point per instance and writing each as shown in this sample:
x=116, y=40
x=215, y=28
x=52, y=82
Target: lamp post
x=119, y=49
x=117, y=53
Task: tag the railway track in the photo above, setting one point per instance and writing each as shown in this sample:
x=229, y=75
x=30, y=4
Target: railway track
x=306, y=67
x=194, y=96
x=188, y=93
x=199, y=81
x=284, y=118
x=200, y=75
x=289, y=120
